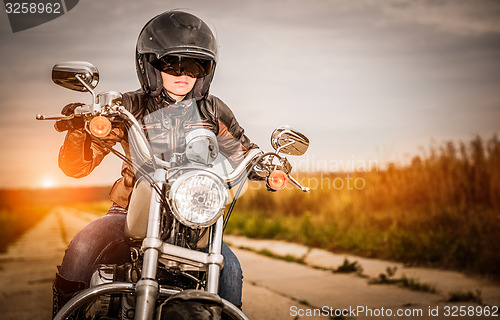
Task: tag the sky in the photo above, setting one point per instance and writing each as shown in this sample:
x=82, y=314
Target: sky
x=365, y=80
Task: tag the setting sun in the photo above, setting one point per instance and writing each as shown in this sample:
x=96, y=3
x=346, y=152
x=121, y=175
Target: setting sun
x=48, y=183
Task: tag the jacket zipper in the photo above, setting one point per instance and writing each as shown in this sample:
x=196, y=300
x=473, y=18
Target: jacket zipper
x=173, y=140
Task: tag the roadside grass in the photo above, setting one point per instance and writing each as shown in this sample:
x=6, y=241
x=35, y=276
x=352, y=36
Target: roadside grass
x=465, y=296
x=270, y=254
x=404, y=281
x=387, y=277
x=441, y=209
x=15, y=221
x=416, y=285
x=349, y=267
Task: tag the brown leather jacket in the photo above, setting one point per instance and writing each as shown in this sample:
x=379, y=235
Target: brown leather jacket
x=79, y=155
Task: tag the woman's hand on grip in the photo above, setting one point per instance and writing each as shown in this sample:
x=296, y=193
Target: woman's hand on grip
x=75, y=123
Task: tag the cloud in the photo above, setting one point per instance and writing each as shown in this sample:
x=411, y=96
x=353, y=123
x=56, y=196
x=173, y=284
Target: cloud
x=461, y=17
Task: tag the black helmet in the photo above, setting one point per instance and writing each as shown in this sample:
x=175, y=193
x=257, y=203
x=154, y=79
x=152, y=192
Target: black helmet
x=178, y=34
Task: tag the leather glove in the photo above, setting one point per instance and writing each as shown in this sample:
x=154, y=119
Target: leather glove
x=254, y=176
x=76, y=123
x=269, y=188
x=69, y=109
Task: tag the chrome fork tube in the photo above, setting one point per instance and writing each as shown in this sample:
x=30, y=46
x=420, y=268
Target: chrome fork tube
x=147, y=287
x=213, y=272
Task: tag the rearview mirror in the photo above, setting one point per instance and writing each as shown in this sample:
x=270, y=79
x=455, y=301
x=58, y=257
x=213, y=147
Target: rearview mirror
x=76, y=75
x=289, y=141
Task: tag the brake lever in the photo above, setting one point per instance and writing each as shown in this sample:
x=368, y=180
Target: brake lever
x=78, y=112
x=54, y=117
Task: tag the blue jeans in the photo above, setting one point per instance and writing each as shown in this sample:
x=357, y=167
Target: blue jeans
x=102, y=242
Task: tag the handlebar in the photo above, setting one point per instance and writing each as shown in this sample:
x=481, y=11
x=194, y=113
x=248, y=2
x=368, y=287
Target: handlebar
x=140, y=144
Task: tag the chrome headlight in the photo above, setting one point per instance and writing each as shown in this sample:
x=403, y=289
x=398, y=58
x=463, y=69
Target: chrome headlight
x=198, y=198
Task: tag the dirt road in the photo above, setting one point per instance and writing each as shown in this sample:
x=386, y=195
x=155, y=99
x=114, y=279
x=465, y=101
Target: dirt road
x=273, y=289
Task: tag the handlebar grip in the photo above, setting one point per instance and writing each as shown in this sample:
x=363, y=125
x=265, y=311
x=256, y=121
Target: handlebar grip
x=64, y=125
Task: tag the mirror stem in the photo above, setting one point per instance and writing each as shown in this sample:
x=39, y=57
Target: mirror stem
x=89, y=89
x=284, y=146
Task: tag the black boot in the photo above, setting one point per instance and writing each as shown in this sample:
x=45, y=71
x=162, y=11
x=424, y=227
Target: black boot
x=63, y=290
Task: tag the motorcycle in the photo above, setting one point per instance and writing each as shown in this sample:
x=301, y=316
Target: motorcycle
x=176, y=219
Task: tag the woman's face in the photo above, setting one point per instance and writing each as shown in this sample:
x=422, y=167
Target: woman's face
x=177, y=86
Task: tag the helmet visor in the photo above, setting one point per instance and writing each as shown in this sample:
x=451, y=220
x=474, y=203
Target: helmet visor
x=178, y=66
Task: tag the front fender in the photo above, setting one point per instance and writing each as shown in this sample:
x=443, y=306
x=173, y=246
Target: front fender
x=88, y=295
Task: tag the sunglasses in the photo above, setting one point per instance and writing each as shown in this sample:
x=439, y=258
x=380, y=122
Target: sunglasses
x=178, y=66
